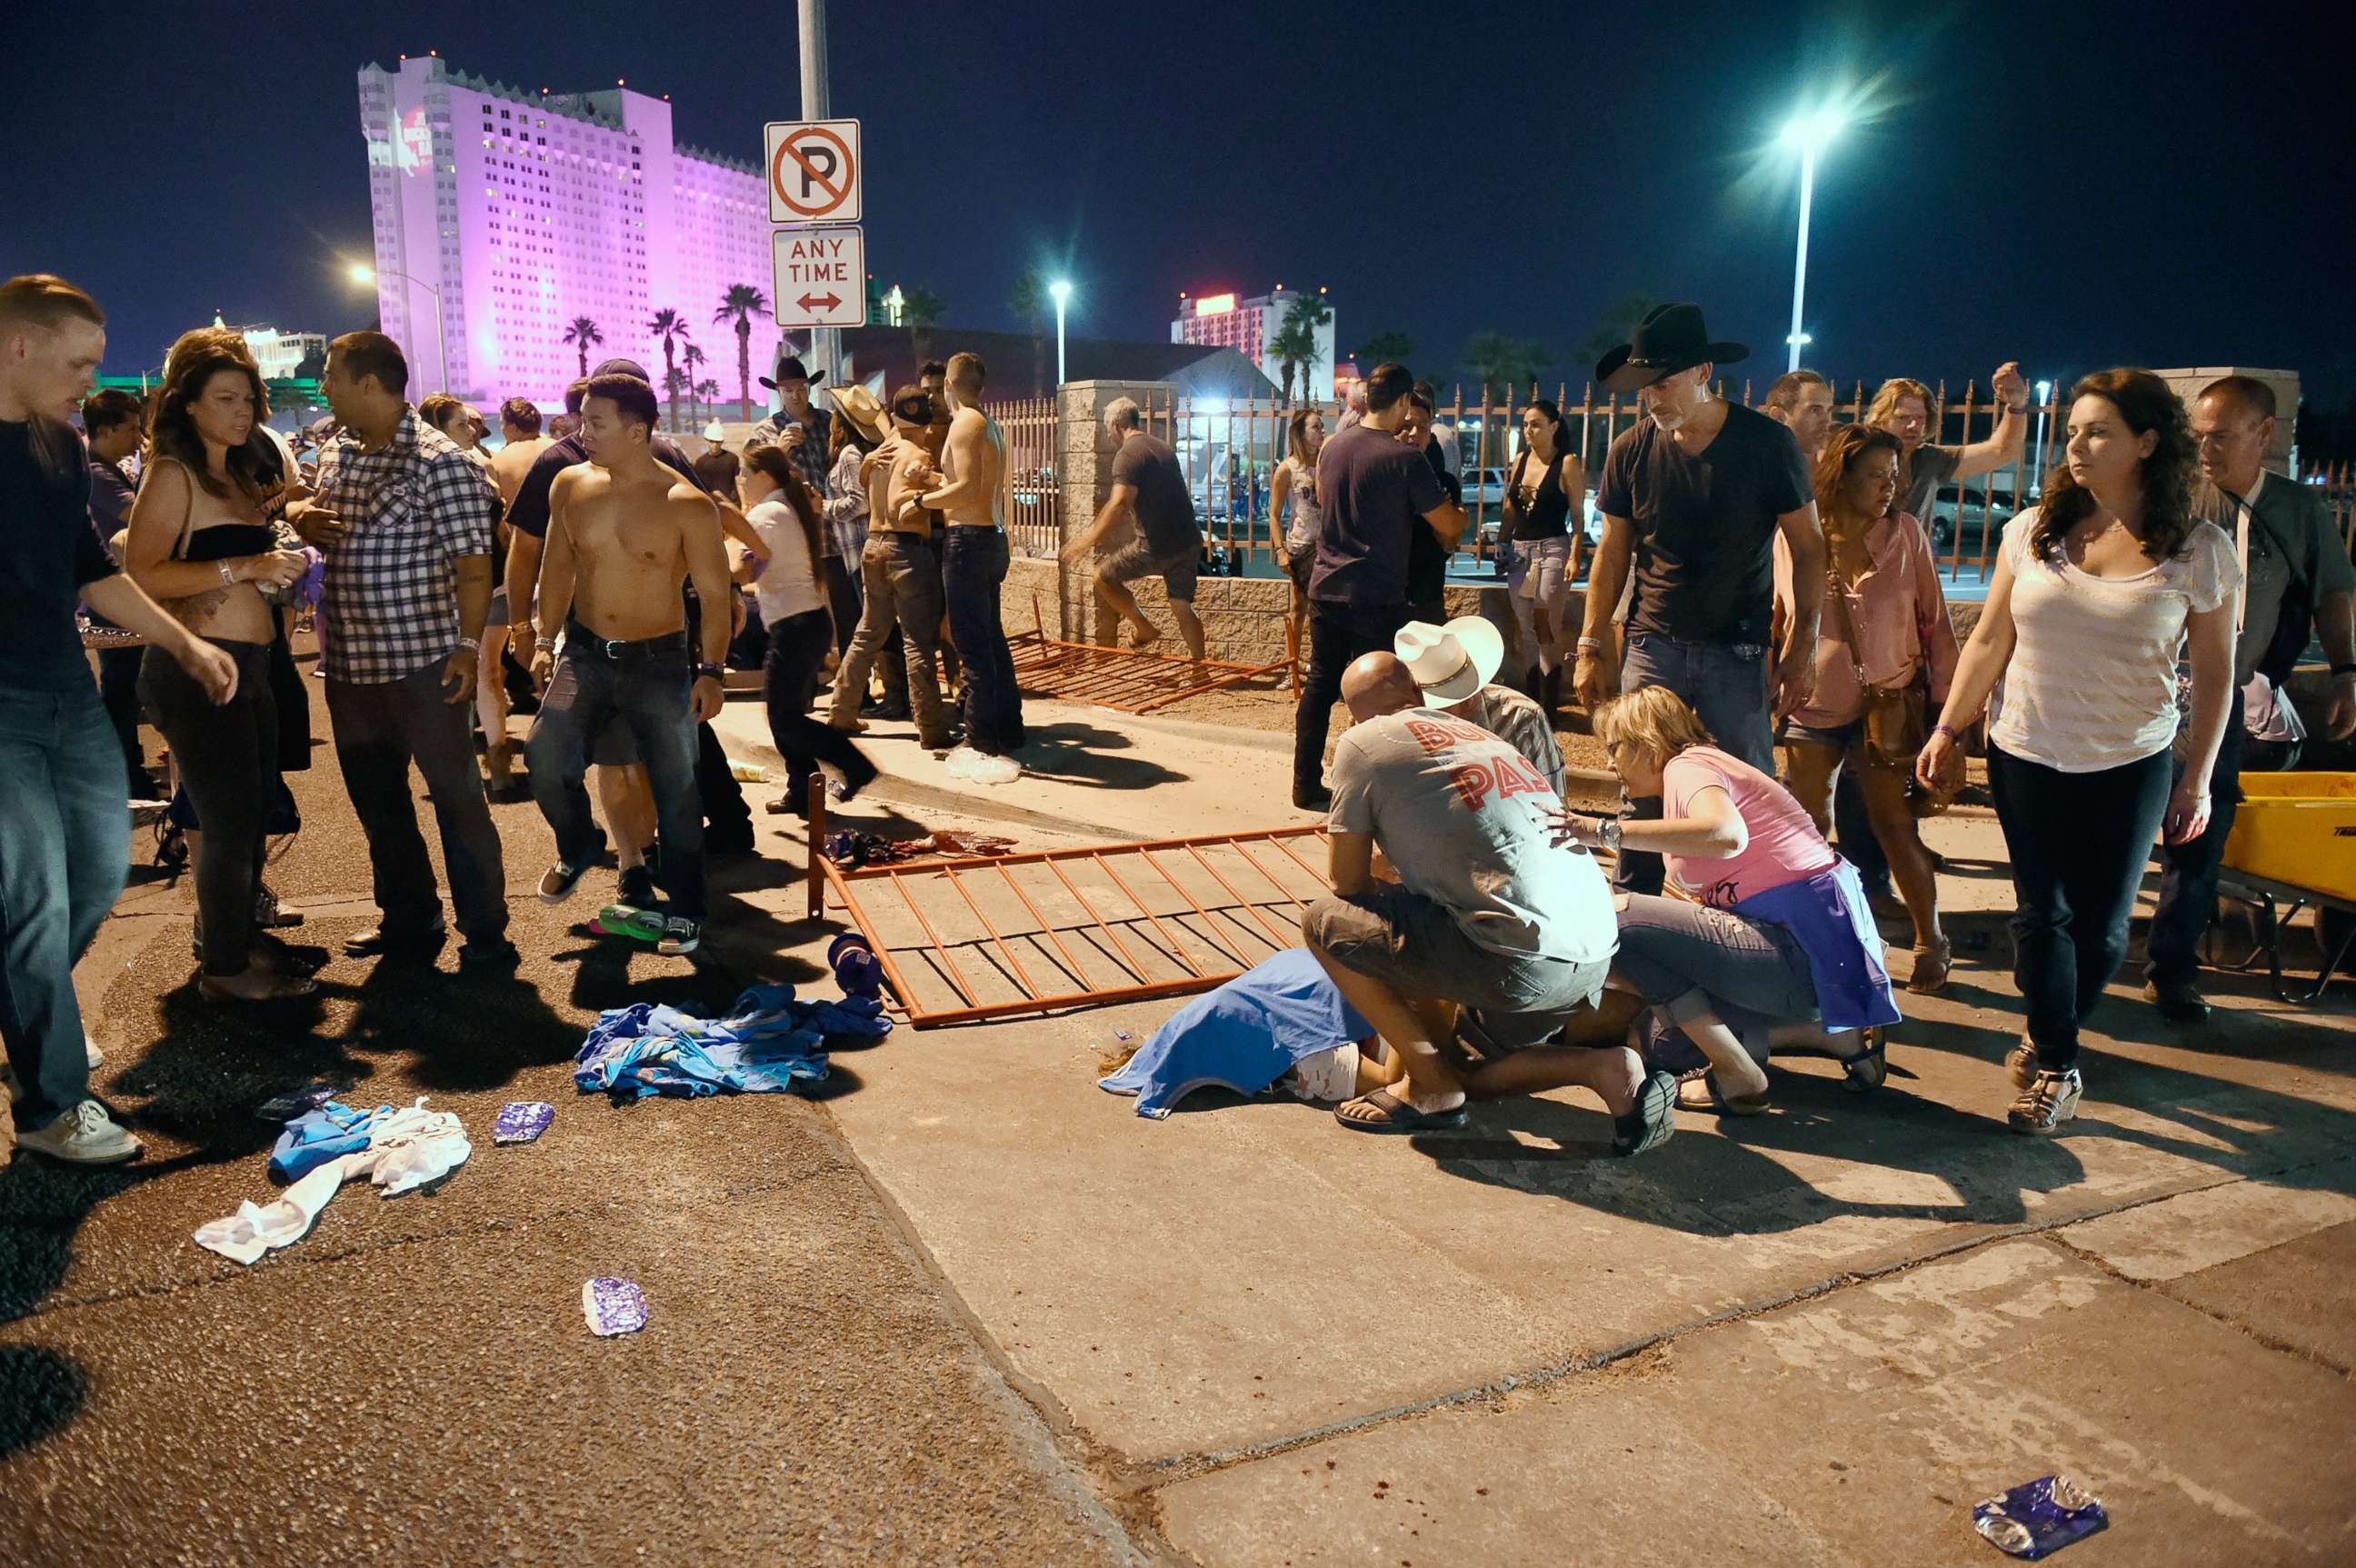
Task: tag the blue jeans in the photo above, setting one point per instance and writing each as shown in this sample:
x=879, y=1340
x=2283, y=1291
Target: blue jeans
x=1726, y=686
x=646, y=685
x=65, y=839
x=973, y=566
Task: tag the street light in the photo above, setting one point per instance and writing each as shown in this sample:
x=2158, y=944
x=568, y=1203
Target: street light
x=365, y=274
x=1062, y=291
x=1809, y=134
x=2037, y=469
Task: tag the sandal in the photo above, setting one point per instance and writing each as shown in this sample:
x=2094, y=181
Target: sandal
x=1929, y=976
x=1398, y=1115
x=1715, y=1103
x=1870, y=1068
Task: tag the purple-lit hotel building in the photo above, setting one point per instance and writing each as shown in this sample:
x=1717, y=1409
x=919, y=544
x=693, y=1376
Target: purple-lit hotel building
x=526, y=211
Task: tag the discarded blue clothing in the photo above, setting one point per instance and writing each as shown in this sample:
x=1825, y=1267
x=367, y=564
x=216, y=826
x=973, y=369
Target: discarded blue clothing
x=769, y=1043
x=1246, y=1034
x=314, y=1138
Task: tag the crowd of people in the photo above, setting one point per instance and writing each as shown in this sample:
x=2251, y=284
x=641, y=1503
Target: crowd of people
x=1763, y=582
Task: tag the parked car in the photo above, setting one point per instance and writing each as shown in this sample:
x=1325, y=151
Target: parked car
x=1484, y=487
x=1964, y=515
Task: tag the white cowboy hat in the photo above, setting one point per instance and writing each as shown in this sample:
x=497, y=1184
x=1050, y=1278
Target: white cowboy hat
x=1450, y=662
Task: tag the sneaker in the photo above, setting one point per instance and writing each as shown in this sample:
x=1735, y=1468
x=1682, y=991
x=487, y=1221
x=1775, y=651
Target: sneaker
x=477, y=956
x=636, y=886
x=89, y=1049
x=1648, y=1126
x=2050, y=1098
x=2179, y=999
x=557, y=883
x=85, y=1135
x=2020, y=1065
x=1314, y=798
x=681, y=936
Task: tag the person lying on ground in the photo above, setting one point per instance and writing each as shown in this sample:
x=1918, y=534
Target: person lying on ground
x=1779, y=951
x=1487, y=915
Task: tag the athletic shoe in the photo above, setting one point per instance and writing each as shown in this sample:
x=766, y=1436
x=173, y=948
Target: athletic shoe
x=1648, y=1126
x=1315, y=797
x=90, y=1046
x=497, y=952
x=557, y=883
x=2020, y=1065
x=85, y=1135
x=636, y=886
x=681, y=936
x=2051, y=1099
x=2179, y=999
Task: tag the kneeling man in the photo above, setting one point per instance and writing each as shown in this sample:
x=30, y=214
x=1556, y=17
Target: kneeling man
x=623, y=532
x=1484, y=915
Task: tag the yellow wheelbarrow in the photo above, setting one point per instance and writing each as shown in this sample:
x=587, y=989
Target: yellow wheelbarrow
x=2294, y=844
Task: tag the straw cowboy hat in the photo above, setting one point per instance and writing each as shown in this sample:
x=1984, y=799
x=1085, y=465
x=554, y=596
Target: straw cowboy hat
x=860, y=406
x=1670, y=339
x=1450, y=662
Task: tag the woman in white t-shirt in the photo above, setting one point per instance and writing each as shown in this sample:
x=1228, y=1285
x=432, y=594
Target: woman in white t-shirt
x=794, y=607
x=2095, y=594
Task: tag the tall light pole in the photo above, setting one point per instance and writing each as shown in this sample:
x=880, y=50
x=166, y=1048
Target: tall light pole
x=1809, y=135
x=365, y=274
x=2037, y=469
x=825, y=343
x=1061, y=291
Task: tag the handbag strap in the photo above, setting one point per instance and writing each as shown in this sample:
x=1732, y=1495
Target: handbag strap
x=1838, y=592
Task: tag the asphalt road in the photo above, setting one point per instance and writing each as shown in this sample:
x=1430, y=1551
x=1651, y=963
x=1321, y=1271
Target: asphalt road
x=414, y=1382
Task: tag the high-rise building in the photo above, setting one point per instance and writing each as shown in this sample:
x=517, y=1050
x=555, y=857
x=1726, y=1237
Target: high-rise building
x=1249, y=326
x=526, y=212
x=279, y=354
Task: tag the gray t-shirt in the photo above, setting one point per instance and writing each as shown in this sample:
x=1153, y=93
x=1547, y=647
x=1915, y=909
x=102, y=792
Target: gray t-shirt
x=2293, y=549
x=1165, y=513
x=1926, y=470
x=1462, y=816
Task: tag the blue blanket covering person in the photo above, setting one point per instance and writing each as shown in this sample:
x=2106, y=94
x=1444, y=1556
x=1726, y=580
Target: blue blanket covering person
x=767, y=1043
x=1246, y=1034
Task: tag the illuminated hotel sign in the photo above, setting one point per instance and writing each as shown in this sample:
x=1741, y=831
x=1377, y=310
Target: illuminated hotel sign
x=1214, y=304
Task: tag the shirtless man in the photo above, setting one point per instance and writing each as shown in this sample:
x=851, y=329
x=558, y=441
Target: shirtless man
x=969, y=495
x=624, y=533
x=900, y=580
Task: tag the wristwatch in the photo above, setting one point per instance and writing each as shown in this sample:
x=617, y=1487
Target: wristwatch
x=707, y=672
x=1611, y=834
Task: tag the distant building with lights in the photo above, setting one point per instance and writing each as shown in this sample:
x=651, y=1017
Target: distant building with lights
x=526, y=211
x=279, y=354
x=1249, y=326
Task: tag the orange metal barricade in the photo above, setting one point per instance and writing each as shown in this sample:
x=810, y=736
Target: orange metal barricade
x=1134, y=680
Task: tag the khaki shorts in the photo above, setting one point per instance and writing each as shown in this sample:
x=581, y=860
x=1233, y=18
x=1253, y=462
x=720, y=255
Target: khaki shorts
x=1176, y=569
x=1417, y=948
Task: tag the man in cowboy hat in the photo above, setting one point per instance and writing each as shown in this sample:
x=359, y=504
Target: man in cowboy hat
x=1483, y=914
x=1694, y=494
x=1455, y=667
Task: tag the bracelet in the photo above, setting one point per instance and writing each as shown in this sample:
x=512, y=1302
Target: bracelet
x=1591, y=645
x=2017, y=408
x=545, y=644
x=473, y=643
x=1946, y=729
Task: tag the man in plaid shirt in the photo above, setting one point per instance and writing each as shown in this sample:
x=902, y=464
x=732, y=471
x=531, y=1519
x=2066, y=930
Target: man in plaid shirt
x=404, y=518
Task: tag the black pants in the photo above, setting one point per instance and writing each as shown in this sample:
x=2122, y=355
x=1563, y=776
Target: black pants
x=381, y=728
x=797, y=647
x=841, y=601
x=2079, y=842
x=1854, y=829
x=2188, y=880
x=1337, y=634
x=118, y=689
x=227, y=759
x=973, y=566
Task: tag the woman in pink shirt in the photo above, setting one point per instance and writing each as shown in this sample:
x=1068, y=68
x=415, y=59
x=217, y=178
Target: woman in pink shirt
x=1884, y=624
x=1779, y=951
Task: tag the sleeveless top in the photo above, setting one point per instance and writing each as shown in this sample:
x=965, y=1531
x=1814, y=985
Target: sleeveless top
x=1301, y=530
x=1547, y=514
x=218, y=541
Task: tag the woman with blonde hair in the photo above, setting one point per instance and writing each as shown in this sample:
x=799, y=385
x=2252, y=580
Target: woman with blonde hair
x=1293, y=534
x=1885, y=655
x=1779, y=948
x=2095, y=594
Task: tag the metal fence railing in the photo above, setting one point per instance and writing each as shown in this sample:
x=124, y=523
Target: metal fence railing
x=1034, y=505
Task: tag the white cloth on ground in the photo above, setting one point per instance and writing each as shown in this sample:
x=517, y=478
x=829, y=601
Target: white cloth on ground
x=406, y=1150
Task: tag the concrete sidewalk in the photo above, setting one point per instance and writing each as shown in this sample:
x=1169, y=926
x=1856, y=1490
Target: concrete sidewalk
x=1501, y=1346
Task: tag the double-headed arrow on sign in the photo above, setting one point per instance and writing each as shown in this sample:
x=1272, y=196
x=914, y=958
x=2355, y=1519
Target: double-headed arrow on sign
x=818, y=301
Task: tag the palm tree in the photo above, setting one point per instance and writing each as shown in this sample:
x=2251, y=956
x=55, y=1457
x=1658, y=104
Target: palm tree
x=1494, y=360
x=1031, y=302
x=741, y=304
x=581, y=334
x=920, y=310
x=709, y=391
x=1385, y=349
x=670, y=328
x=1295, y=343
x=690, y=360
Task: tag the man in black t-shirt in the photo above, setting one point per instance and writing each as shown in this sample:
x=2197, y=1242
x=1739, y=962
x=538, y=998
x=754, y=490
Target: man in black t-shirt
x=1695, y=495
x=1427, y=557
x=1149, y=488
x=65, y=835
x=1376, y=494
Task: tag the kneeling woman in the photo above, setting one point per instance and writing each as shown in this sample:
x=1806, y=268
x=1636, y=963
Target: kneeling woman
x=1781, y=948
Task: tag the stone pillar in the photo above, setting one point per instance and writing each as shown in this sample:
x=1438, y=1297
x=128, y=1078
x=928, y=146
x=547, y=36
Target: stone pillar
x=1084, y=454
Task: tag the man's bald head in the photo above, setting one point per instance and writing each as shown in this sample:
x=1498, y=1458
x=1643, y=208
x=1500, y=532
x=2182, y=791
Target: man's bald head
x=1377, y=683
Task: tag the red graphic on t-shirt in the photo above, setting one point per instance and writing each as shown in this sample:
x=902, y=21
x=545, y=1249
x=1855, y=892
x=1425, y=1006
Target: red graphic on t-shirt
x=1508, y=775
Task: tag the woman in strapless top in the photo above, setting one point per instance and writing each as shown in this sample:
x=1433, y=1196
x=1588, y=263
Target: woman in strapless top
x=200, y=543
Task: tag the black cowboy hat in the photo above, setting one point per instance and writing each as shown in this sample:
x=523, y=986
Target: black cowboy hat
x=1670, y=339
x=789, y=368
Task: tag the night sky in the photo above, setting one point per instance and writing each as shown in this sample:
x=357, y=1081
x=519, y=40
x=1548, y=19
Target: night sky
x=2072, y=186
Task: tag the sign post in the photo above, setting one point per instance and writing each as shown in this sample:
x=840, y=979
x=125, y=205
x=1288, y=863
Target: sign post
x=821, y=277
